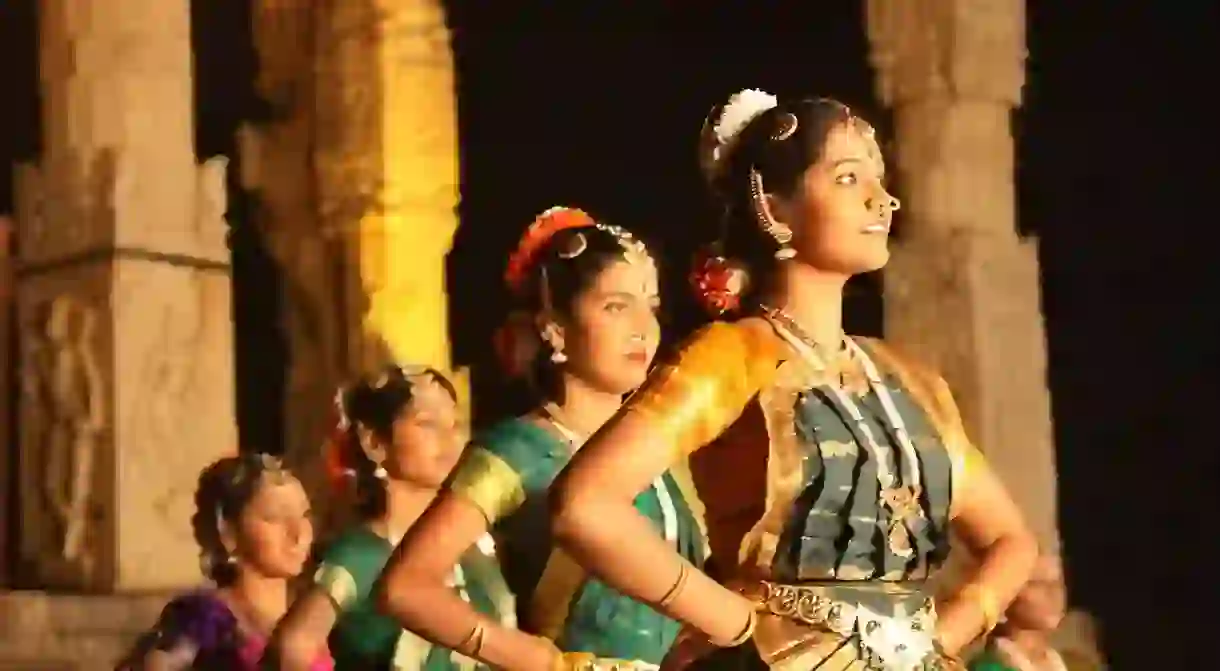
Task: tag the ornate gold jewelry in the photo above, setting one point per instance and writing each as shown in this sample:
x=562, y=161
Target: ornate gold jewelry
x=785, y=126
x=576, y=246
x=766, y=220
x=472, y=645
x=746, y=633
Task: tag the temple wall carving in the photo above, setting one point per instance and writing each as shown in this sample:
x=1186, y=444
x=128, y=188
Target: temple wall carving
x=123, y=305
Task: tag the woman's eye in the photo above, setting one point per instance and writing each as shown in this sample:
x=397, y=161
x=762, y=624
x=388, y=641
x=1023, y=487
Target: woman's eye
x=847, y=179
x=616, y=307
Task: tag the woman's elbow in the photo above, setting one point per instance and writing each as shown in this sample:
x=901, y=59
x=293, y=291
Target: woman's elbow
x=390, y=590
x=1021, y=547
x=289, y=648
x=571, y=509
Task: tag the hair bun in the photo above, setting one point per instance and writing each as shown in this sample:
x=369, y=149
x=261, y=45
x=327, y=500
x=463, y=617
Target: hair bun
x=516, y=344
x=719, y=283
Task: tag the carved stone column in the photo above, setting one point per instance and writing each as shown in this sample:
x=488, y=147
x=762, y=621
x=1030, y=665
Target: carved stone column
x=277, y=168
x=8, y=450
x=387, y=168
x=123, y=300
x=962, y=288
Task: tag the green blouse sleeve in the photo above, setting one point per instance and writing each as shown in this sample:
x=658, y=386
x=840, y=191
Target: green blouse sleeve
x=348, y=570
x=505, y=464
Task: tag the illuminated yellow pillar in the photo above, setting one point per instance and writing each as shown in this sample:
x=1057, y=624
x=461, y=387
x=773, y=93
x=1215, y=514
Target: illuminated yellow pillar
x=387, y=164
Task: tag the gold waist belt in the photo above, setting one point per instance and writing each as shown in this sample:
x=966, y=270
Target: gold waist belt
x=892, y=624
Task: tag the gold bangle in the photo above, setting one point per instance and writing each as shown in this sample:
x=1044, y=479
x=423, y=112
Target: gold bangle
x=985, y=599
x=746, y=633
x=472, y=645
x=679, y=584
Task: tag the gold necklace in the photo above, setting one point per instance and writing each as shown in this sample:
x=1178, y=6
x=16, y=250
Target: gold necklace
x=554, y=415
x=902, y=498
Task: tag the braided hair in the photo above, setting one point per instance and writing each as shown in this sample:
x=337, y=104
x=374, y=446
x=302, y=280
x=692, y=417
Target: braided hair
x=225, y=489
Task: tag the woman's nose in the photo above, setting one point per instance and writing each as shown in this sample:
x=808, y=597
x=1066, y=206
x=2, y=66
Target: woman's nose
x=884, y=203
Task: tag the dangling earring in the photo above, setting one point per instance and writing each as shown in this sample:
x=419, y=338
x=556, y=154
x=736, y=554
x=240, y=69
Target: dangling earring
x=785, y=251
x=380, y=472
x=762, y=212
x=557, y=356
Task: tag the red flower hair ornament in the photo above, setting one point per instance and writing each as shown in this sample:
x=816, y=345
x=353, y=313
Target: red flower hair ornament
x=545, y=226
x=719, y=283
x=340, y=449
x=515, y=341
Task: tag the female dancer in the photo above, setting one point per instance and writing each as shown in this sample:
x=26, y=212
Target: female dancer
x=838, y=467
x=591, y=293
x=253, y=528
x=398, y=441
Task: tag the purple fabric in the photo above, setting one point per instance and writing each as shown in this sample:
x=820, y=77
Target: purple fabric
x=203, y=622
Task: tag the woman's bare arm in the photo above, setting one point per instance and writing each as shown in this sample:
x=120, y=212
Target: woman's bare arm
x=300, y=638
x=987, y=520
x=413, y=590
x=682, y=407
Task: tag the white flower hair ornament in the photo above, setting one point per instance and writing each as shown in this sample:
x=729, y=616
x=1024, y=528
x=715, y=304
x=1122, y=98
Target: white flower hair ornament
x=719, y=135
x=742, y=108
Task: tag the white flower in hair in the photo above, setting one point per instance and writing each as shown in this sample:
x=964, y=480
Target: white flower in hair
x=741, y=109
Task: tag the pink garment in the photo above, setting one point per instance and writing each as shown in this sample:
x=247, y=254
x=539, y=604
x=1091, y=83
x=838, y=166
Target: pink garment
x=251, y=655
x=201, y=626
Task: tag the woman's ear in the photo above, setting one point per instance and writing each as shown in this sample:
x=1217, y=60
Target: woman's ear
x=550, y=332
x=371, y=446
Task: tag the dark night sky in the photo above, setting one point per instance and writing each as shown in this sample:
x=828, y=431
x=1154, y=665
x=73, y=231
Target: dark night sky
x=600, y=108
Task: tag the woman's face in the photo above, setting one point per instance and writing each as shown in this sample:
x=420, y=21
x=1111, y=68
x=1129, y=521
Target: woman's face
x=274, y=532
x=427, y=437
x=612, y=334
x=841, y=213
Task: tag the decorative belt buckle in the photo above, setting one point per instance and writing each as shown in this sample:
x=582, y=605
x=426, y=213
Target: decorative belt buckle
x=899, y=643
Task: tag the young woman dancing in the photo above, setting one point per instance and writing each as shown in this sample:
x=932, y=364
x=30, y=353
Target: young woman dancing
x=252, y=523
x=589, y=294
x=397, y=442
x=832, y=467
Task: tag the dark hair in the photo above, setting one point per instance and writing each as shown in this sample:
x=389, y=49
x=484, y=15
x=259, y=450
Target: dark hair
x=373, y=404
x=225, y=488
x=780, y=144
x=564, y=267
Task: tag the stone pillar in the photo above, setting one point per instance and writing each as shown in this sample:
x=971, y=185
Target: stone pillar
x=8, y=451
x=278, y=170
x=962, y=288
x=387, y=169
x=123, y=300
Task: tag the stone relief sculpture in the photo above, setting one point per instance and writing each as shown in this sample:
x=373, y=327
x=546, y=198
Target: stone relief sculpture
x=63, y=388
x=164, y=410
